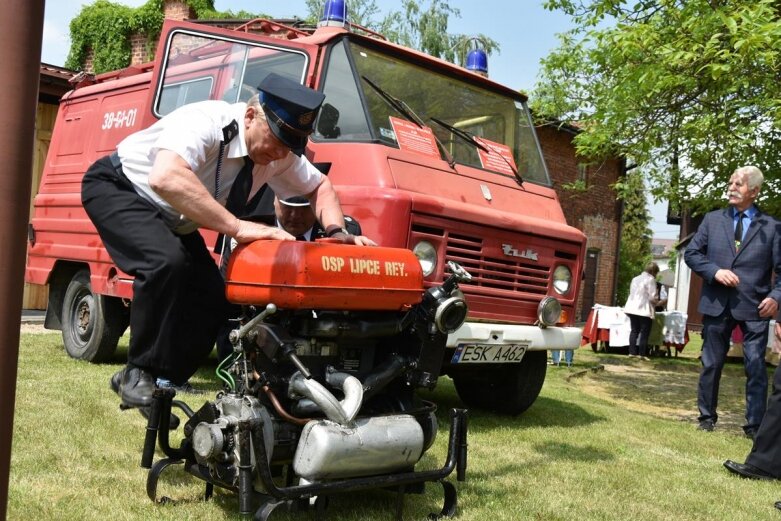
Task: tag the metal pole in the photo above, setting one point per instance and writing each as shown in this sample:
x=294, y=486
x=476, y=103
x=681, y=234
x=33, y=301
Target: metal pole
x=21, y=29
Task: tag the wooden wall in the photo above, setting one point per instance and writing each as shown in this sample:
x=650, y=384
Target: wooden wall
x=35, y=296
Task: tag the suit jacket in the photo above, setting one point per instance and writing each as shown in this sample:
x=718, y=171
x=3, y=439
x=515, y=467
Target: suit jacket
x=713, y=248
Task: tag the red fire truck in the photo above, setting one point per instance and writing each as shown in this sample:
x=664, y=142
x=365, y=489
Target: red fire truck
x=426, y=156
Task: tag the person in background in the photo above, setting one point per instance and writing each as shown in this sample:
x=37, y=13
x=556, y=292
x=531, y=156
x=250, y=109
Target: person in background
x=294, y=215
x=661, y=297
x=639, y=308
x=736, y=251
x=555, y=356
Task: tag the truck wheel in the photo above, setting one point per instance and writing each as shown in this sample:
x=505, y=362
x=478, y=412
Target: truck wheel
x=507, y=389
x=91, y=324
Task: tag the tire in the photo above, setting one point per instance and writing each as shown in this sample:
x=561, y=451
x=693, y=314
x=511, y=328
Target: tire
x=507, y=389
x=91, y=324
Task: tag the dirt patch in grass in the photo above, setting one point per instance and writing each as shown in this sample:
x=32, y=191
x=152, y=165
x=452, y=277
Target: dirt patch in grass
x=36, y=329
x=663, y=387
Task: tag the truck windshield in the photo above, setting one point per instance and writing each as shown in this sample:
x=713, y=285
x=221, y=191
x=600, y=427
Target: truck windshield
x=500, y=121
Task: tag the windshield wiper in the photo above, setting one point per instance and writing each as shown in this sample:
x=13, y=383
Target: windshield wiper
x=463, y=134
x=468, y=137
x=409, y=114
x=396, y=103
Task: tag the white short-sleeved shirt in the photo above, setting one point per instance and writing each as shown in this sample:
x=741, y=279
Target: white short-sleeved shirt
x=642, y=292
x=194, y=132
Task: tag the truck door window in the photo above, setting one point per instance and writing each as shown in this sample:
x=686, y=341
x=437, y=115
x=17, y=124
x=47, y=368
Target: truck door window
x=346, y=119
x=490, y=115
x=200, y=67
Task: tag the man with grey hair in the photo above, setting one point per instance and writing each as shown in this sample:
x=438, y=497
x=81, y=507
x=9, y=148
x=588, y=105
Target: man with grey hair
x=197, y=167
x=735, y=251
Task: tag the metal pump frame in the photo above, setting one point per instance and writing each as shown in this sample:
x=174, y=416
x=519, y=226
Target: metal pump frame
x=251, y=439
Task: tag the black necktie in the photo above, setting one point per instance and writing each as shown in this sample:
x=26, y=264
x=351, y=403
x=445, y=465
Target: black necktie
x=739, y=230
x=300, y=238
x=237, y=200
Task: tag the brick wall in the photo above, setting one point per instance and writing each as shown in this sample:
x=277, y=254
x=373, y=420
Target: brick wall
x=177, y=10
x=89, y=62
x=595, y=212
x=141, y=49
x=138, y=50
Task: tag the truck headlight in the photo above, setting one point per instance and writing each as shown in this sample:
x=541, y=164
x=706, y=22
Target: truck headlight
x=562, y=279
x=427, y=256
x=548, y=312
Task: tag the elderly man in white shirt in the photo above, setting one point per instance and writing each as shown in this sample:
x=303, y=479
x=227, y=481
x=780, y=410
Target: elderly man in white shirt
x=639, y=308
x=148, y=200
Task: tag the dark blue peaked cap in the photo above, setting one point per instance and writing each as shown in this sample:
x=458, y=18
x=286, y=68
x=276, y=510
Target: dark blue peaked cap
x=291, y=110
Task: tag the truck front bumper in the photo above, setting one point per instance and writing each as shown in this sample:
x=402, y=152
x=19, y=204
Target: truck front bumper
x=536, y=338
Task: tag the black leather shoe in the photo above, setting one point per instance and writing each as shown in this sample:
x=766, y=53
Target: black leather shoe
x=748, y=471
x=778, y=505
x=706, y=425
x=134, y=386
x=116, y=382
x=751, y=433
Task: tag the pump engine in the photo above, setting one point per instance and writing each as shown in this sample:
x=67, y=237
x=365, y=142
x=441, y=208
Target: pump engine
x=320, y=392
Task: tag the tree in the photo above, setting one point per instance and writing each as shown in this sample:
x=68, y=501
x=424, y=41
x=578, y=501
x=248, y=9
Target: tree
x=635, y=249
x=688, y=88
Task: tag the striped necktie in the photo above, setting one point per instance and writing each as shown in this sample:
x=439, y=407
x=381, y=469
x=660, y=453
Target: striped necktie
x=739, y=231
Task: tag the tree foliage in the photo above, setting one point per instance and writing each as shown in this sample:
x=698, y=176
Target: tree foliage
x=688, y=88
x=105, y=28
x=418, y=25
x=635, y=249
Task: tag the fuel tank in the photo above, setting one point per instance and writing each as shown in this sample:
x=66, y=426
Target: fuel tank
x=323, y=275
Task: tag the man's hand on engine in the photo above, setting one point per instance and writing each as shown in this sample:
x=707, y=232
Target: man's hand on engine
x=358, y=240
x=248, y=231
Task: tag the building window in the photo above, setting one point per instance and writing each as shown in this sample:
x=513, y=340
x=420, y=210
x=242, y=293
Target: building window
x=583, y=172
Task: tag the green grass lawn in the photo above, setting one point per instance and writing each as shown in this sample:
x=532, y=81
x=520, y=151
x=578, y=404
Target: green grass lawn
x=618, y=443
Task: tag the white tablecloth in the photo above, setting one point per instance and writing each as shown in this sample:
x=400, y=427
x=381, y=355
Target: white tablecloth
x=615, y=320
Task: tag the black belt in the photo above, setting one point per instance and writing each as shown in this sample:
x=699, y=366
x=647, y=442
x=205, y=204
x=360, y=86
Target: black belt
x=115, y=162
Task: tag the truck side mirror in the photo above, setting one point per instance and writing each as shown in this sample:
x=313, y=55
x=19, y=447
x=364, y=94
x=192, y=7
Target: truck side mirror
x=326, y=125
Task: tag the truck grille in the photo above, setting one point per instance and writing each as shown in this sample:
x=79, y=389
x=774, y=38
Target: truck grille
x=490, y=272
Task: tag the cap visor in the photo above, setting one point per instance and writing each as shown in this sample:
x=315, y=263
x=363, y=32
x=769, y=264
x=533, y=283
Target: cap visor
x=294, y=143
x=295, y=205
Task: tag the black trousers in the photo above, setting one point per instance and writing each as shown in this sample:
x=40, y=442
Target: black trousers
x=766, y=452
x=638, y=337
x=716, y=333
x=178, y=293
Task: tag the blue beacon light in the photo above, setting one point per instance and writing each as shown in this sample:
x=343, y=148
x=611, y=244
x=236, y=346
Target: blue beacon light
x=334, y=14
x=477, y=61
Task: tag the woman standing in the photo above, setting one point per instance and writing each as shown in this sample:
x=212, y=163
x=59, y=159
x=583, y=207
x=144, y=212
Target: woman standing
x=639, y=308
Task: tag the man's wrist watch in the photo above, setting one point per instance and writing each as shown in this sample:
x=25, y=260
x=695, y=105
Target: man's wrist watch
x=334, y=229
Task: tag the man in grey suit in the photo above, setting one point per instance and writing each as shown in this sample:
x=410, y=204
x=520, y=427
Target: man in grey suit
x=735, y=251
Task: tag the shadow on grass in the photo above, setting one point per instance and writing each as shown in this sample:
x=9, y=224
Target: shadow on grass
x=666, y=387
x=552, y=450
x=545, y=412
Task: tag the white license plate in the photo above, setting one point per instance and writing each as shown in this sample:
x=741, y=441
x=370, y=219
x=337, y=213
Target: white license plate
x=489, y=353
